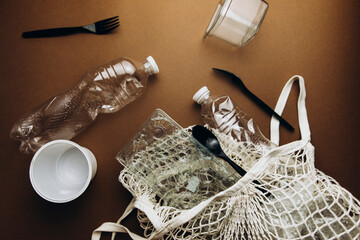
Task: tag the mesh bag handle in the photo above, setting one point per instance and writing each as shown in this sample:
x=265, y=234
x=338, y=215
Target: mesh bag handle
x=302, y=113
x=117, y=227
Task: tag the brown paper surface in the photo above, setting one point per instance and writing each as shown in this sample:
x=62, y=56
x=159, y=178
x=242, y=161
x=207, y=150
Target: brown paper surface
x=316, y=39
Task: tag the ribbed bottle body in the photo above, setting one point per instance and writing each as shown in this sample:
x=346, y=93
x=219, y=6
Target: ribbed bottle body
x=103, y=89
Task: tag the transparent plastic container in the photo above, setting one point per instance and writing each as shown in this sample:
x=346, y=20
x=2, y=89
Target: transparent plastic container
x=173, y=164
x=221, y=113
x=103, y=89
x=237, y=21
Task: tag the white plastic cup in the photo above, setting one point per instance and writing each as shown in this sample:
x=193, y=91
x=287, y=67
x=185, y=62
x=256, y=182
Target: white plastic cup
x=237, y=21
x=61, y=170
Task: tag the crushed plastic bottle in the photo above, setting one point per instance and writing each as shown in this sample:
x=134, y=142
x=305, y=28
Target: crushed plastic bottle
x=103, y=89
x=221, y=113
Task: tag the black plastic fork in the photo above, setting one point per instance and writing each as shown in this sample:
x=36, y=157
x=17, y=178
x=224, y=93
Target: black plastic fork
x=269, y=110
x=99, y=27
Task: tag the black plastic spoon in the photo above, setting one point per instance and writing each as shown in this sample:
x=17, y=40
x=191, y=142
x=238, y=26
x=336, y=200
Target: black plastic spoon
x=209, y=140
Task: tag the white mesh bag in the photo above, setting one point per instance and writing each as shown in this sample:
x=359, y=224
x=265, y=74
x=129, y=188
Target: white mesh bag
x=301, y=202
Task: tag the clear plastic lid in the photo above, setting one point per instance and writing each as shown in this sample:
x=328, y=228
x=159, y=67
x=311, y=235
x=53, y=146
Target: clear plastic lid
x=175, y=165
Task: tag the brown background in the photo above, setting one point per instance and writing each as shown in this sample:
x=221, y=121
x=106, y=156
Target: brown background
x=316, y=39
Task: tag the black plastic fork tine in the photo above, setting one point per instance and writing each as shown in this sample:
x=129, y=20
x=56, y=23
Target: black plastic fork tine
x=105, y=27
x=106, y=20
x=113, y=25
x=106, y=24
x=108, y=29
x=109, y=21
x=112, y=28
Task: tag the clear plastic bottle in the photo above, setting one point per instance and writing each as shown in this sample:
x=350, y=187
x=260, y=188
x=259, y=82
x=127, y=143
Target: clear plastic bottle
x=221, y=113
x=103, y=89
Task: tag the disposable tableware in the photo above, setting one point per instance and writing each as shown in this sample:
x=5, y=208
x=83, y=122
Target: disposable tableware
x=99, y=27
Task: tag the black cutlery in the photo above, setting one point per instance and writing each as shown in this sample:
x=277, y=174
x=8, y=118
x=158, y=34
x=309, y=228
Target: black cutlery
x=237, y=80
x=209, y=140
x=99, y=27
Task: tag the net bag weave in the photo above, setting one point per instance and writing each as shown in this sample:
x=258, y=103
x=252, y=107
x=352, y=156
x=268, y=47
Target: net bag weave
x=300, y=201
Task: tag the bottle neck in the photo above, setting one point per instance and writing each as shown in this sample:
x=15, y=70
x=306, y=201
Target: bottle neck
x=204, y=98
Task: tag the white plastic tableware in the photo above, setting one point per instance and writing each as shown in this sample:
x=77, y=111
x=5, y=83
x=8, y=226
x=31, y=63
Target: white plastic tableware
x=61, y=170
x=237, y=21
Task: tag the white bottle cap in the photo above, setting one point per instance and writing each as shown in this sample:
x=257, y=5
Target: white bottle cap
x=201, y=95
x=154, y=66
